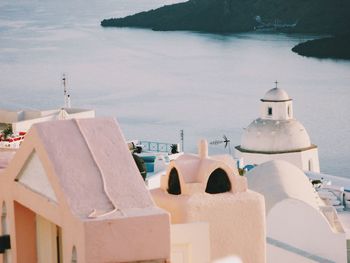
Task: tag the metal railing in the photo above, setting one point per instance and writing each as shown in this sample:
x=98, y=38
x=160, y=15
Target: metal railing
x=162, y=147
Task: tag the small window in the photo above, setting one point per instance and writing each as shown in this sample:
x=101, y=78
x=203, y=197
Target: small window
x=174, y=187
x=288, y=111
x=218, y=182
x=269, y=111
x=310, y=165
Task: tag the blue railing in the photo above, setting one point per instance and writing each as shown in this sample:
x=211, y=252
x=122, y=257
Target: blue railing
x=157, y=146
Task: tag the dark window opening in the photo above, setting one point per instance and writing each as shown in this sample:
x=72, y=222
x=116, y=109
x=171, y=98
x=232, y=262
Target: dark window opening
x=310, y=165
x=5, y=243
x=174, y=187
x=269, y=111
x=218, y=182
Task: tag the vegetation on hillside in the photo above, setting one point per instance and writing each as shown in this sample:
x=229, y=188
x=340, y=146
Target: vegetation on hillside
x=223, y=16
x=330, y=47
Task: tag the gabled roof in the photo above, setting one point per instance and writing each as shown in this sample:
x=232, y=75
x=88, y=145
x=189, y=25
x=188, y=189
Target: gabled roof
x=92, y=165
x=80, y=176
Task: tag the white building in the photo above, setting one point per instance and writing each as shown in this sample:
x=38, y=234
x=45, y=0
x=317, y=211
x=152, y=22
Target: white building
x=276, y=134
x=299, y=226
x=22, y=120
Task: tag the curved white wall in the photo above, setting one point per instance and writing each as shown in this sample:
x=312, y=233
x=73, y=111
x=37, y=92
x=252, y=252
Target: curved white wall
x=298, y=225
x=299, y=159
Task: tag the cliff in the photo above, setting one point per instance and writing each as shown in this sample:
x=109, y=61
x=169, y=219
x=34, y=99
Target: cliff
x=225, y=16
x=330, y=47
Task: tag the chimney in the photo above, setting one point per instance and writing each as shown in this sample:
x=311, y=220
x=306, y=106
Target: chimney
x=203, y=149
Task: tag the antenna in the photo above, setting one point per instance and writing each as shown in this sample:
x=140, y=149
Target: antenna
x=225, y=140
x=68, y=101
x=65, y=93
x=276, y=82
x=182, y=140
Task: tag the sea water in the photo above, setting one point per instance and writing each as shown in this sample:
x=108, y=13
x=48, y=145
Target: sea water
x=158, y=83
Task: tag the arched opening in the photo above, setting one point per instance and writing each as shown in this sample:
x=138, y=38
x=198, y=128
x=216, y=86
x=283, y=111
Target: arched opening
x=74, y=255
x=174, y=187
x=310, y=165
x=218, y=182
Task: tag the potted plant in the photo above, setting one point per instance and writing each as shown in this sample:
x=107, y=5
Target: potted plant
x=174, y=149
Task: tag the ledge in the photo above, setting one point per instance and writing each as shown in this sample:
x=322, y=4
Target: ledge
x=239, y=148
x=275, y=100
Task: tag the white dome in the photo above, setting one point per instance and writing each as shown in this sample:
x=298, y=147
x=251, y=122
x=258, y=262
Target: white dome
x=276, y=94
x=264, y=135
x=278, y=180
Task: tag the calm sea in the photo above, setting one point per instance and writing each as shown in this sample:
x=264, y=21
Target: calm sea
x=157, y=83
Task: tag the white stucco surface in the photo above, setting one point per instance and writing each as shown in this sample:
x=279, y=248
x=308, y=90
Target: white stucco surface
x=299, y=225
x=278, y=180
x=299, y=159
x=34, y=177
x=276, y=135
x=264, y=135
x=296, y=217
x=22, y=120
x=276, y=254
x=276, y=94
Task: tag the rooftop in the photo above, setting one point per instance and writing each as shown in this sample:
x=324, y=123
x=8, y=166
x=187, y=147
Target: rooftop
x=278, y=180
x=276, y=95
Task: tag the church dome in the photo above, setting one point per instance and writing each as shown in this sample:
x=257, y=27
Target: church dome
x=276, y=94
x=264, y=135
x=279, y=180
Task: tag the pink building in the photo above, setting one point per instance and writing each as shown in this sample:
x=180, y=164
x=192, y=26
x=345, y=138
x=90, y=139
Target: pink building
x=199, y=188
x=72, y=193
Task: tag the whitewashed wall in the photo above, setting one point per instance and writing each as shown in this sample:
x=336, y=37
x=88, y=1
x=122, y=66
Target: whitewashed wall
x=300, y=226
x=299, y=159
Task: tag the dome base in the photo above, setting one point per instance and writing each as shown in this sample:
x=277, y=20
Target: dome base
x=239, y=148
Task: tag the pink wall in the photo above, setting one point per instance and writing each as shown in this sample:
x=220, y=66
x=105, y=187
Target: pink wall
x=237, y=221
x=129, y=239
x=132, y=228
x=236, y=217
x=25, y=234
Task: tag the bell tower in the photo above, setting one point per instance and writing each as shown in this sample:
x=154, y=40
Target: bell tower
x=276, y=105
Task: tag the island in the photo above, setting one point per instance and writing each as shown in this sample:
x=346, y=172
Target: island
x=318, y=17
x=231, y=16
x=330, y=47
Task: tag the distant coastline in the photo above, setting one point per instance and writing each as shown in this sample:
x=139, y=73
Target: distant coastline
x=330, y=47
x=232, y=16
x=321, y=17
